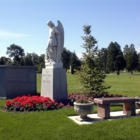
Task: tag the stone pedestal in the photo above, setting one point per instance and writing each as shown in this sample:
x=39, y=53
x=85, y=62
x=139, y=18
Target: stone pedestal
x=54, y=83
x=104, y=111
x=17, y=81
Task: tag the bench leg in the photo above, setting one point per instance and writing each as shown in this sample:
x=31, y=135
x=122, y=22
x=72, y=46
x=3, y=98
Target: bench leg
x=104, y=111
x=129, y=108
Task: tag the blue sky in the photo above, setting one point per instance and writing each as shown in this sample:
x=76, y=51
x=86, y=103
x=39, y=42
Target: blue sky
x=23, y=22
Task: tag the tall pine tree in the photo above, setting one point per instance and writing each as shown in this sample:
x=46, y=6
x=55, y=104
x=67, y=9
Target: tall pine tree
x=90, y=77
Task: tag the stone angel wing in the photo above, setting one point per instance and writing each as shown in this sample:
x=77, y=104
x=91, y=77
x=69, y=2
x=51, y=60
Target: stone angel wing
x=61, y=39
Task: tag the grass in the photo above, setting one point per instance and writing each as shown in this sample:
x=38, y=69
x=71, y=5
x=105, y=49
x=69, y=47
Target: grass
x=54, y=125
x=38, y=84
x=125, y=84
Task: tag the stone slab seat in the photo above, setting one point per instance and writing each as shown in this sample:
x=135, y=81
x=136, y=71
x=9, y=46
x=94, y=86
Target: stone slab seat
x=103, y=105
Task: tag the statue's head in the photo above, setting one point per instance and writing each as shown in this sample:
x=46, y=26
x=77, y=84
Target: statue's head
x=50, y=23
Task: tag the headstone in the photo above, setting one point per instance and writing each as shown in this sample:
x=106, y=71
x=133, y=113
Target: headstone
x=54, y=83
x=17, y=81
x=70, y=69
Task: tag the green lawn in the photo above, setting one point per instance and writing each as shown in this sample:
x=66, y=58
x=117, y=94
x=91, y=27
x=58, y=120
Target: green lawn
x=125, y=83
x=38, y=80
x=54, y=125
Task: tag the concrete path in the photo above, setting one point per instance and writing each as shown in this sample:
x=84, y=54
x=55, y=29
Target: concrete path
x=92, y=118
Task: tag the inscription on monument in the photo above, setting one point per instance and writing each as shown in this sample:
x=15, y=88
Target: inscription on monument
x=47, y=77
x=54, y=84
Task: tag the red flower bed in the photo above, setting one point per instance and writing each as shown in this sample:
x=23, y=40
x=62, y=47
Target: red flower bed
x=32, y=103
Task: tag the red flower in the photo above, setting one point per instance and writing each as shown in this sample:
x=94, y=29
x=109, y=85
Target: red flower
x=28, y=102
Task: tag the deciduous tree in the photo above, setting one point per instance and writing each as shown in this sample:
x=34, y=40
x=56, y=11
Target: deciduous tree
x=16, y=52
x=5, y=61
x=28, y=60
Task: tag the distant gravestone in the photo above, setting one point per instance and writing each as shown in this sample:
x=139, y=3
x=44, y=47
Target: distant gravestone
x=17, y=81
x=71, y=69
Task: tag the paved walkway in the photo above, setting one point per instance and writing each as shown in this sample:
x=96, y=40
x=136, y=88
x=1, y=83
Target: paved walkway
x=94, y=118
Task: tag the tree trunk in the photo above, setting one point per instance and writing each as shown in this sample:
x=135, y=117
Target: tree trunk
x=118, y=72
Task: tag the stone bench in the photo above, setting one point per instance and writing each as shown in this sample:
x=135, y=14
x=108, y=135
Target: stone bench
x=103, y=105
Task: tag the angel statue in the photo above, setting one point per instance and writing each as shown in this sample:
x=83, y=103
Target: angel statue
x=55, y=43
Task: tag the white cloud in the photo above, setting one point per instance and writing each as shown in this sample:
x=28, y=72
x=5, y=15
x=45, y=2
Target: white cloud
x=79, y=55
x=6, y=34
x=138, y=50
x=1, y=55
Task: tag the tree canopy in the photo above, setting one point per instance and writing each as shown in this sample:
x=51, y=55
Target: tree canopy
x=16, y=52
x=101, y=59
x=131, y=57
x=115, y=60
x=105, y=60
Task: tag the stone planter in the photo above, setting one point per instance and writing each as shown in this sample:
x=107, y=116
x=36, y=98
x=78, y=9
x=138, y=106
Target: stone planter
x=83, y=109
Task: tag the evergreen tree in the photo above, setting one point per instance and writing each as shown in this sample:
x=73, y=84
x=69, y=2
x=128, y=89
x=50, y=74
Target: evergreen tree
x=131, y=58
x=74, y=62
x=90, y=77
x=28, y=60
x=115, y=59
x=66, y=56
x=138, y=68
x=101, y=59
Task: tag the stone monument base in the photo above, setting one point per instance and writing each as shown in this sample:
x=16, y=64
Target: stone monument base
x=54, y=84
